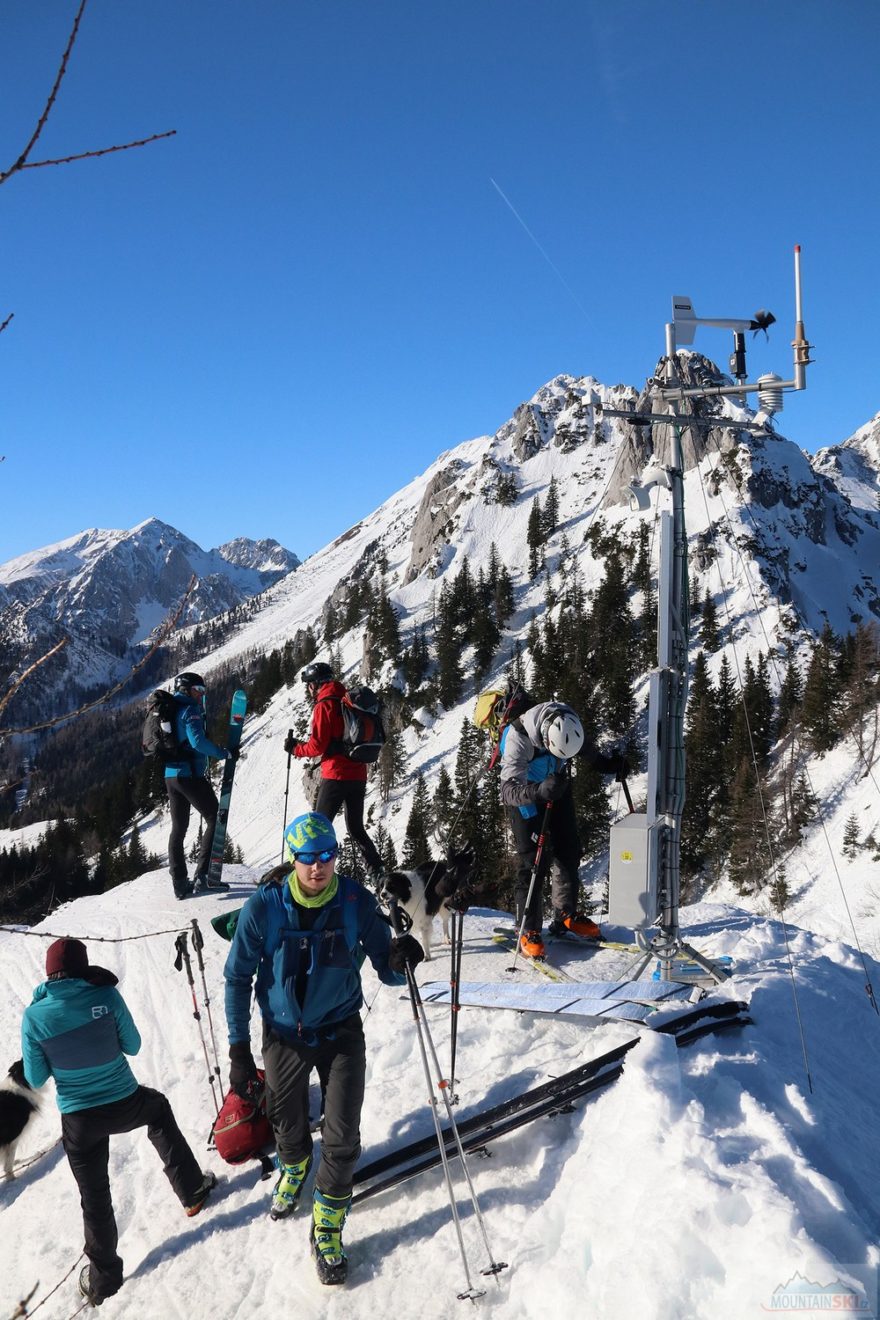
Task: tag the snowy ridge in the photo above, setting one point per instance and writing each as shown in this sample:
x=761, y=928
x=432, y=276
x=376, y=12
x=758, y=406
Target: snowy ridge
x=701, y=1183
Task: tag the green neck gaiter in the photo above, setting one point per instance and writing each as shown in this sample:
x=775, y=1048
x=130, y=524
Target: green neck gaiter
x=319, y=900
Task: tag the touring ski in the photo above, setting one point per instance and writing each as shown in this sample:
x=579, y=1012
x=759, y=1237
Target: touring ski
x=237, y=712
x=551, y=1097
x=569, y=937
x=508, y=941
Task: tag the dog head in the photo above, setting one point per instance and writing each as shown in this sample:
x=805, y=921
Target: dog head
x=397, y=885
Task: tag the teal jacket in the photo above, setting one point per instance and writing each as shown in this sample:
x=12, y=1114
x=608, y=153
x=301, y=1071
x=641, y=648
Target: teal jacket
x=191, y=730
x=79, y=1034
x=270, y=943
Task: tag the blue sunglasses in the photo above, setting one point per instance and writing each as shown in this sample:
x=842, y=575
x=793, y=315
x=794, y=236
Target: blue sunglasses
x=309, y=858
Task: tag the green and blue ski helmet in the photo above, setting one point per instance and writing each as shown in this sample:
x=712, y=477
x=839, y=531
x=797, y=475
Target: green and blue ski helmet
x=309, y=833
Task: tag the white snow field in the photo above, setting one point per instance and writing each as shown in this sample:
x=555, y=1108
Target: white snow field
x=709, y=1181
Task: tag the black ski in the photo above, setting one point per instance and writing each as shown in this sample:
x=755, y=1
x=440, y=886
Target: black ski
x=237, y=713
x=551, y=1097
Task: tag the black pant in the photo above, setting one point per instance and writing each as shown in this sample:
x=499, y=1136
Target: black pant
x=349, y=794
x=562, y=848
x=86, y=1139
x=183, y=794
x=342, y=1066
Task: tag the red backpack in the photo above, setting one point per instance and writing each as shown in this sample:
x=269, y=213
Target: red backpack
x=242, y=1128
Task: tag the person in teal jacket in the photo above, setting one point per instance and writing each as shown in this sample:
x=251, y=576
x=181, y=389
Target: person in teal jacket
x=304, y=935
x=78, y=1030
x=188, y=786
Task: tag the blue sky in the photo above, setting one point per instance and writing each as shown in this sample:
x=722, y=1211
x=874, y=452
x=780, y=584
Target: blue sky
x=267, y=324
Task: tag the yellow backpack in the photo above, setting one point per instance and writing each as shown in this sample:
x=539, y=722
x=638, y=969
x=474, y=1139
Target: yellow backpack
x=489, y=710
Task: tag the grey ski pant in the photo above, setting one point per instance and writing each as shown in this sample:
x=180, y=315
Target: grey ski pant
x=86, y=1135
x=183, y=794
x=562, y=849
x=342, y=1066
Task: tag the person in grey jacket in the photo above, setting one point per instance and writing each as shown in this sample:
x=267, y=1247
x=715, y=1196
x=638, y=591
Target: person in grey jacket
x=78, y=1030
x=535, y=753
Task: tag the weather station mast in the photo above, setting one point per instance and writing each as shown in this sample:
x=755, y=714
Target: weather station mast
x=644, y=869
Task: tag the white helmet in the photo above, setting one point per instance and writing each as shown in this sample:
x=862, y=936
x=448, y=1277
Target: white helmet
x=562, y=733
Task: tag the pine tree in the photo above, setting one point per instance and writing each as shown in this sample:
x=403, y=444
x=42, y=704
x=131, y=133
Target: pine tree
x=861, y=695
x=778, y=891
x=819, y=709
x=506, y=489
x=748, y=861
x=703, y=757
x=390, y=764
x=710, y=633
x=790, y=695
x=385, y=848
x=535, y=539
x=550, y=512
x=851, y=836
x=447, y=642
x=416, y=848
x=443, y=805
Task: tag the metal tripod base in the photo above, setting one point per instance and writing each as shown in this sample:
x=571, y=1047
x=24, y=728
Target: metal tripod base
x=666, y=949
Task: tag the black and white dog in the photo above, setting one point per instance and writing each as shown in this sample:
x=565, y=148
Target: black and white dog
x=18, y=1106
x=423, y=892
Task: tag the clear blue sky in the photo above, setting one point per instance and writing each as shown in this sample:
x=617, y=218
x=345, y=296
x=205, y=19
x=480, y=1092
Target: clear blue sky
x=267, y=324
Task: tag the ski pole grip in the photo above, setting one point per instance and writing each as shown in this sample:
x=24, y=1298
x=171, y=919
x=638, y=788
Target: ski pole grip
x=397, y=924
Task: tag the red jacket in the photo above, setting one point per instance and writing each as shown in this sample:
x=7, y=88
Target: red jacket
x=327, y=728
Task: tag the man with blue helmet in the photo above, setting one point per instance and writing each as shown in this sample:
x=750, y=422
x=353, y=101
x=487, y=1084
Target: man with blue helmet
x=304, y=935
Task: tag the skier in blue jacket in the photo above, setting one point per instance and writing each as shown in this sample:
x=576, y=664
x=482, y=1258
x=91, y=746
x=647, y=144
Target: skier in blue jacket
x=188, y=786
x=304, y=935
x=78, y=1030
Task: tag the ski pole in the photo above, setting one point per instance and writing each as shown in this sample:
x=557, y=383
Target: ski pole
x=455, y=992
x=539, y=853
x=426, y=1044
x=629, y=802
x=198, y=944
x=183, y=960
x=286, y=790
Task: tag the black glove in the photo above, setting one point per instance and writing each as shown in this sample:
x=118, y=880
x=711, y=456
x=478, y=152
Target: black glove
x=242, y=1070
x=289, y=742
x=619, y=765
x=405, y=950
x=232, y=754
x=461, y=900
x=552, y=788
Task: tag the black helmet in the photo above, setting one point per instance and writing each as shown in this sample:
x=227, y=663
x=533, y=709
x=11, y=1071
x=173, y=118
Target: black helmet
x=317, y=672
x=184, y=682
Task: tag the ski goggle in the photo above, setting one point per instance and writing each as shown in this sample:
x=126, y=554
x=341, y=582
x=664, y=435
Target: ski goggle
x=309, y=858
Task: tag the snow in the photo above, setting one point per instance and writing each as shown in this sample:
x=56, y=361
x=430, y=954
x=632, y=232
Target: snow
x=26, y=836
x=699, y=1184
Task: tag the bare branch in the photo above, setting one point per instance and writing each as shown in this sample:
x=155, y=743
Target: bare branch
x=62, y=69
x=111, y=692
x=90, y=155
x=21, y=678
x=24, y=164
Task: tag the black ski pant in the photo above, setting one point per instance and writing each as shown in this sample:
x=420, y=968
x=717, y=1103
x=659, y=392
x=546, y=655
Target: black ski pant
x=349, y=794
x=562, y=848
x=85, y=1136
x=341, y=1061
x=184, y=793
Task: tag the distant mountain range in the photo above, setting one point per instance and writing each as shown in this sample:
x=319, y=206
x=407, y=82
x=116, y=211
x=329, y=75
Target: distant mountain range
x=107, y=591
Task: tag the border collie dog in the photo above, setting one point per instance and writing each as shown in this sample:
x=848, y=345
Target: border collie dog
x=18, y=1105
x=421, y=894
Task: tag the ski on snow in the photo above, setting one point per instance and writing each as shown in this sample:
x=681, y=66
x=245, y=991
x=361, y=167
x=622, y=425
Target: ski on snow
x=551, y=1097
x=237, y=712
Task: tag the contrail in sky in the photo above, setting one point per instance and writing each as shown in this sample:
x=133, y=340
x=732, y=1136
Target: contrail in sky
x=557, y=272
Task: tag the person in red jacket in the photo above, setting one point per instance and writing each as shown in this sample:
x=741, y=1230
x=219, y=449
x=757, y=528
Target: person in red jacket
x=343, y=781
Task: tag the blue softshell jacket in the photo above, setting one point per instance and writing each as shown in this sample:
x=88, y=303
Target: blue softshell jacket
x=191, y=729
x=270, y=943
x=79, y=1034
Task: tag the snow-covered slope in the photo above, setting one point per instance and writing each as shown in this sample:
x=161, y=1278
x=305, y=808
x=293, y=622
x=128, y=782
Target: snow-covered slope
x=706, y=1182
x=854, y=466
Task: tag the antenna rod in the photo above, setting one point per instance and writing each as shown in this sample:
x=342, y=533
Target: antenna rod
x=799, y=343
